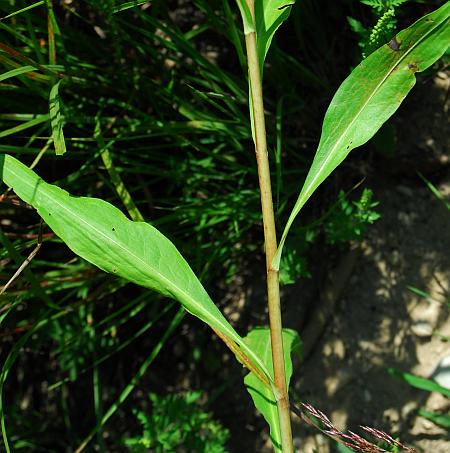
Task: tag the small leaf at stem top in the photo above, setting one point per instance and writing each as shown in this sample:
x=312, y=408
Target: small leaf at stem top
x=247, y=19
x=269, y=15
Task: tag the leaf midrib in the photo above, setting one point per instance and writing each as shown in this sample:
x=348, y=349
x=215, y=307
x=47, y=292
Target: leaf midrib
x=226, y=329
x=121, y=246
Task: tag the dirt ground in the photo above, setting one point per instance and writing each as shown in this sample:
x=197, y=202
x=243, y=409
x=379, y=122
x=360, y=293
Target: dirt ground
x=378, y=321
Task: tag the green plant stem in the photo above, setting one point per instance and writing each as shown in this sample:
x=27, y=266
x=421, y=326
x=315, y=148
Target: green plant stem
x=273, y=287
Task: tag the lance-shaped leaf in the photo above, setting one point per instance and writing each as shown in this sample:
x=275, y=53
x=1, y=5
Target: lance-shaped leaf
x=370, y=95
x=269, y=15
x=101, y=234
x=259, y=340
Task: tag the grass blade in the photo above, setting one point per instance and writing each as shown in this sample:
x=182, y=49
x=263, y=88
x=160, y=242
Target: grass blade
x=21, y=127
x=435, y=192
x=56, y=120
x=439, y=419
x=27, y=272
x=128, y=5
x=16, y=72
x=420, y=382
x=22, y=10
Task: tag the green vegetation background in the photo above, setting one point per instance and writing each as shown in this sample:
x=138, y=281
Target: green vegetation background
x=153, y=108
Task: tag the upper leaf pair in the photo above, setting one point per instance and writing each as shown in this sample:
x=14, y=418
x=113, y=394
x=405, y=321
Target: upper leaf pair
x=263, y=17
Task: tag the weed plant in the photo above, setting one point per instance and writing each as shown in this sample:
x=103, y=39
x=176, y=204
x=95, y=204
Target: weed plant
x=152, y=106
x=178, y=423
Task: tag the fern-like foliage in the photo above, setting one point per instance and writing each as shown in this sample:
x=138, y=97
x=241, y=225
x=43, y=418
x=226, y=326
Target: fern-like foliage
x=382, y=6
x=350, y=219
x=177, y=424
x=384, y=28
x=382, y=32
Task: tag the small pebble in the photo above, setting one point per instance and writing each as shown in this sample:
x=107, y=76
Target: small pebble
x=404, y=190
x=422, y=329
x=442, y=372
x=367, y=396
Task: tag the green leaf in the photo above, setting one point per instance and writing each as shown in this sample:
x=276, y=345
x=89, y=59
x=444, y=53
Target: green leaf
x=269, y=15
x=136, y=251
x=20, y=11
x=259, y=340
x=420, y=382
x=435, y=192
x=27, y=69
x=128, y=5
x=357, y=26
x=56, y=120
x=249, y=26
x=38, y=119
x=15, y=72
x=370, y=95
x=439, y=419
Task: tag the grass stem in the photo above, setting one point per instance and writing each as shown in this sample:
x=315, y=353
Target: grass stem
x=273, y=287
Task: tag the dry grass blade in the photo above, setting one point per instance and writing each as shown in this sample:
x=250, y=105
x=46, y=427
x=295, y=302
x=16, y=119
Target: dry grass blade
x=314, y=417
x=25, y=263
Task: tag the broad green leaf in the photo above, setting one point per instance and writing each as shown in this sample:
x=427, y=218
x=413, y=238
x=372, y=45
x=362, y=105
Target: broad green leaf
x=259, y=340
x=136, y=251
x=370, y=95
x=56, y=120
x=247, y=19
